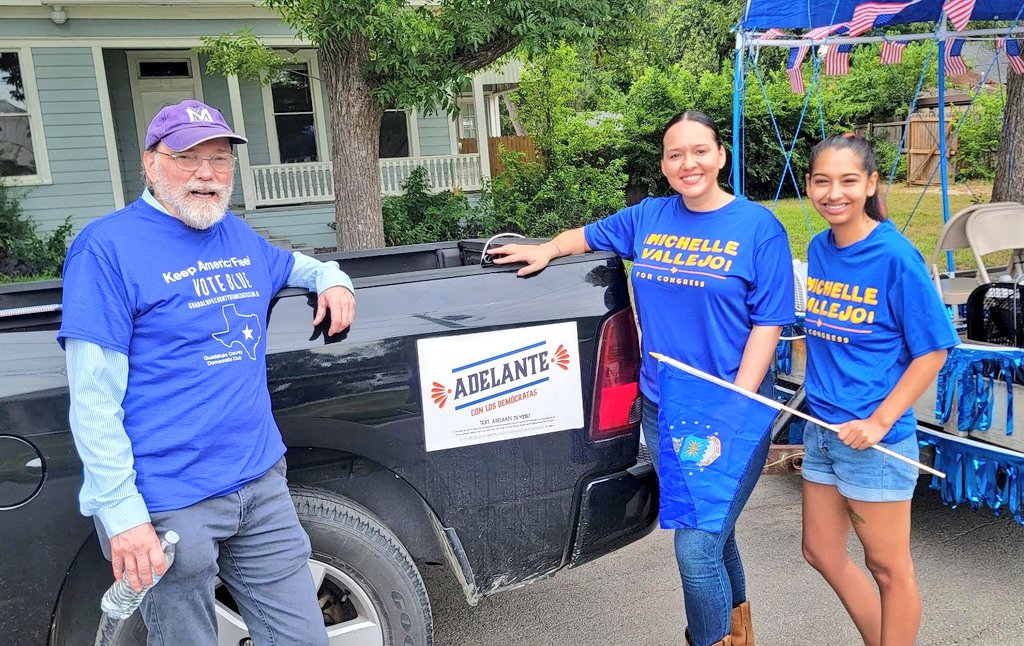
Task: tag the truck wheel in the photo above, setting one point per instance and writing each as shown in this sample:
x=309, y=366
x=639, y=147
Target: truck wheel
x=370, y=591
x=370, y=584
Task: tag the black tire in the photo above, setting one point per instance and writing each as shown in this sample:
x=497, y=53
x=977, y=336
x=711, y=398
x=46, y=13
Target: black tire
x=352, y=539
x=374, y=578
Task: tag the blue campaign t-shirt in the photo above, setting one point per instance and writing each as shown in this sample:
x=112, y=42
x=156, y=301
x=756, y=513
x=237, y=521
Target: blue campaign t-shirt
x=189, y=308
x=871, y=309
x=701, y=280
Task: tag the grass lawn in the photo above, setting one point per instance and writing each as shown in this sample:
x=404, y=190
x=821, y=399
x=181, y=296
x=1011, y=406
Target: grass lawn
x=923, y=229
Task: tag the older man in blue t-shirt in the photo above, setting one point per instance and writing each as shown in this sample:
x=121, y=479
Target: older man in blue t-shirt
x=164, y=325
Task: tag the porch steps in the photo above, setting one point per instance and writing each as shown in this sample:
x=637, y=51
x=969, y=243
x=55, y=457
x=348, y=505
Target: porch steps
x=282, y=242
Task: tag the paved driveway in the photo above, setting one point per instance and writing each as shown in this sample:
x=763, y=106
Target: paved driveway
x=970, y=568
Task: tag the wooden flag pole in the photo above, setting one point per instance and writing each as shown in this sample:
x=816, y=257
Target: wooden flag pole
x=782, y=407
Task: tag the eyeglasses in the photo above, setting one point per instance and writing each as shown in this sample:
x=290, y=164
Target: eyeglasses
x=190, y=162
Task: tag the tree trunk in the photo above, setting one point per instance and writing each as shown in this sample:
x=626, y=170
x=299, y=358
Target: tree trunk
x=1009, y=183
x=355, y=143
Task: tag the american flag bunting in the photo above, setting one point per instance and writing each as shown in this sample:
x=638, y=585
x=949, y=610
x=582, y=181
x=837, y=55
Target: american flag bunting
x=796, y=77
x=837, y=57
x=821, y=32
x=892, y=53
x=837, y=60
x=1013, y=54
x=958, y=12
x=955, y=65
x=868, y=15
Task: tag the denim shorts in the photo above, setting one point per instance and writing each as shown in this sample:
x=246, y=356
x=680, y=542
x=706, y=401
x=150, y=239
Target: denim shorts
x=867, y=475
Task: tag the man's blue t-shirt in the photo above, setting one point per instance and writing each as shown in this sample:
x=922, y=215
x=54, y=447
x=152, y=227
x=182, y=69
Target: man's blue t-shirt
x=189, y=309
x=701, y=280
x=871, y=310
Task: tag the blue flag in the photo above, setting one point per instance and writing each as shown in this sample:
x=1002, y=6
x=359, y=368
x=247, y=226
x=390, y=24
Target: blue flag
x=708, y=435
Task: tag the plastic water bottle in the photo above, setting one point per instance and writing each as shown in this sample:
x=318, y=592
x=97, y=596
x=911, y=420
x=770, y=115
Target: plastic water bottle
x=121, y=599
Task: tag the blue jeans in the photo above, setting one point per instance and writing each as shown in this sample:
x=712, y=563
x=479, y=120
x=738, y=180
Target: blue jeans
x=252, y=540
x=709, y=564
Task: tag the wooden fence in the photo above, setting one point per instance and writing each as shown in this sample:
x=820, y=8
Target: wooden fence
x=923, y=150
x=921, y=145
x=523, y=144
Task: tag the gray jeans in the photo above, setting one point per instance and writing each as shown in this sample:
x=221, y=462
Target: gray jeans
x=252, y=540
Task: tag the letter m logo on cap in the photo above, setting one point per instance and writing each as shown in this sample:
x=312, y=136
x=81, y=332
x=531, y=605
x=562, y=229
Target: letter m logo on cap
x=199, y=115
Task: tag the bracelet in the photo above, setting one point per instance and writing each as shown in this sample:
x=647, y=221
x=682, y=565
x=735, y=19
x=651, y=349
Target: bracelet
x=559, y=249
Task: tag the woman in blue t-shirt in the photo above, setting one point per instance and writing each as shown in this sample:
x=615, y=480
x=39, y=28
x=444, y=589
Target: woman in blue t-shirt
x=877, y=335
x=712, y=280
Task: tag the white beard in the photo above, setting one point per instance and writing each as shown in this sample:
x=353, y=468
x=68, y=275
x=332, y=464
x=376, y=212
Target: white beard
x=195, y=212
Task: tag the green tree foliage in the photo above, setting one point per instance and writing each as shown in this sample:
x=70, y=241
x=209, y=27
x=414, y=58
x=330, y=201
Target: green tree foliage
x=845, y=101
x=421, y=215
x=873, y=92
x=693, y=34
x=244, y=55
x=543, y=200
x=576, y=178
x=978, y=137
x=549, y=95
x=378, y=54
x=23, y=252
x=885, y=155
x=652, y=100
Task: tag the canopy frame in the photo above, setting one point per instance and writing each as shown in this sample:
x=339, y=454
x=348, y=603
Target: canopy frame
x=747, y=39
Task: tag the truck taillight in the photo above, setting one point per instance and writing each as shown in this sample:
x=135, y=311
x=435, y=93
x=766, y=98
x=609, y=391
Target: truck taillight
x=616, y=408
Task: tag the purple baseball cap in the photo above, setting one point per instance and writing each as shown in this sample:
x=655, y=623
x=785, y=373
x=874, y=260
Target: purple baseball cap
x=187, y=124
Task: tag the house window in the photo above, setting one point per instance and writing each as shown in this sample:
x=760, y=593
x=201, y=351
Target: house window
x=17, y=149
x=467, y=119
x=294, y=116
x=164, y=69
x=394, y=134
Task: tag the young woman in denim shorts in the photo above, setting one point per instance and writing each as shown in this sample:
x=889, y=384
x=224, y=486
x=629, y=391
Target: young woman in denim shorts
x=877, y=335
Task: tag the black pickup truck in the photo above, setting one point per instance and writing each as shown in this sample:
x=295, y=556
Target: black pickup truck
x=505, y=485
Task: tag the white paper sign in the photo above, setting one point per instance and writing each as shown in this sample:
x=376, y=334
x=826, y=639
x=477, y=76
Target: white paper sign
x=493, y=386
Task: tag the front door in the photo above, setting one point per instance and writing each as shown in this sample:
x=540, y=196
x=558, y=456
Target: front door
x=160, y=79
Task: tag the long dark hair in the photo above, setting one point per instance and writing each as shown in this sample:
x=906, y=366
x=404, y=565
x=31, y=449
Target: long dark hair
x=859, y=146
x=692, y=115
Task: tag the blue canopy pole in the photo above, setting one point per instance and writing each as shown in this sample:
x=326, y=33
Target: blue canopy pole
x=737, y=90
x=943, y=151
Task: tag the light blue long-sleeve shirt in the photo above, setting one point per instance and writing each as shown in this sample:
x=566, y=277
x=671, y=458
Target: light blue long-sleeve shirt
x=98, y=379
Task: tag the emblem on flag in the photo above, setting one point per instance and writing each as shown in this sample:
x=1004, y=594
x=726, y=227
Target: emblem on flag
x=708, y=437
x=703, y=451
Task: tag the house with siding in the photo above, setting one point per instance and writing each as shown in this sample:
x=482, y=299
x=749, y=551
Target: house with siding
x=80, y=80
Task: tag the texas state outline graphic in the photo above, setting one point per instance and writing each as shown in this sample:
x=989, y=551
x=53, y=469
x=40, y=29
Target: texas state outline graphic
x=243, y=329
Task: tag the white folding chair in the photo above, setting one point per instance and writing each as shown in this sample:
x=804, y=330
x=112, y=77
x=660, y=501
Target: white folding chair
x=1000, y=228
x=954, y=289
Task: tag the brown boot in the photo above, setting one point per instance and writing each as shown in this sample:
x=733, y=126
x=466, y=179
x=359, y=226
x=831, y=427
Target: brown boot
x=742, y=628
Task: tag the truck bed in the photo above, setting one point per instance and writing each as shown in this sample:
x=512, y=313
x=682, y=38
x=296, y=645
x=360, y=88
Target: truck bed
x=500, y=514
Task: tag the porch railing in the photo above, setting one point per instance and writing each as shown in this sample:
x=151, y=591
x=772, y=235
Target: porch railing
x=293, y=183
x=444, y=171
x=280, y=184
